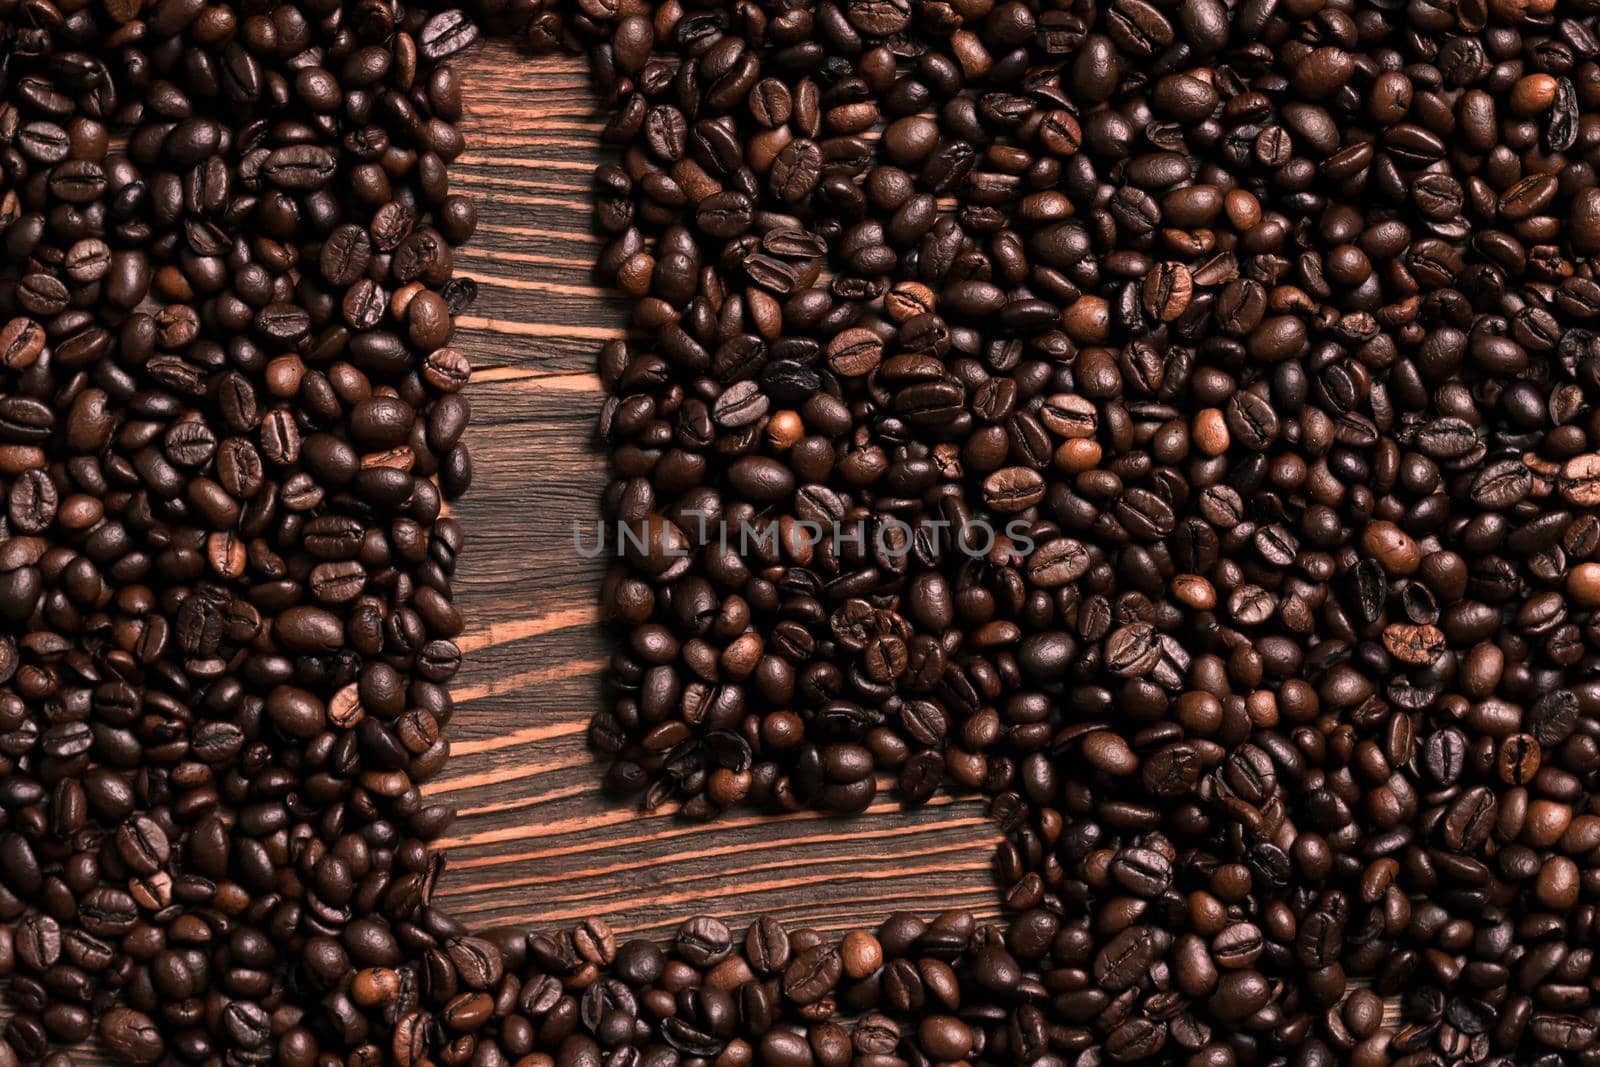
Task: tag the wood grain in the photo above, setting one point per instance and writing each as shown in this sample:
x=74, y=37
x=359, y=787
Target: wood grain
x=536, y=842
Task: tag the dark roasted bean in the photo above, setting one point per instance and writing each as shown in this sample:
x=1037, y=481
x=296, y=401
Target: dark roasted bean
x=1175, y=421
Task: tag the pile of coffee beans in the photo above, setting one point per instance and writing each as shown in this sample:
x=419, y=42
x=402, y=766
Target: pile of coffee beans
x=1175, y=419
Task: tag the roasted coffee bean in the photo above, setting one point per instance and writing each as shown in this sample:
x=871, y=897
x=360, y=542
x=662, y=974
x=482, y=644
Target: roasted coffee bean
x=345, y=255
x=812, y=974
x=22, y=341
x=1174, y=421
x=299, y=167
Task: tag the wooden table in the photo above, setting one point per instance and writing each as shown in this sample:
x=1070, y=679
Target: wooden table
x=536, y=841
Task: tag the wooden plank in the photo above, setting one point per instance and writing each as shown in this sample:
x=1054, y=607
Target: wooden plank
x=536, y=841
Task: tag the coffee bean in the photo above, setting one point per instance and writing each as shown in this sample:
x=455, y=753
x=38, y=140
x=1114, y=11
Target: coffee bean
x=446, y=34
x=1132, y=650
x=22, y=340
x=1167, y=291
x=1209, y=387
x=855, y=353
x=1057, y=562
x=42, y=294
x=1121, y=962
x=1501, y=484
x=1143, y=872
x=32, y=503
x=812, y=974
x=299, y=167
x=131, y=1035
x=766, y=945
x=345, y=255
x=1013, y=489
x=703, y=941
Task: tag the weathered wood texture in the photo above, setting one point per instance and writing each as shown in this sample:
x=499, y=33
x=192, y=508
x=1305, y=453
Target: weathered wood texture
x=536, y=841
